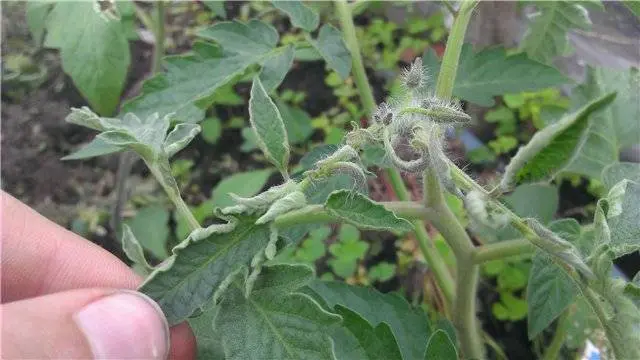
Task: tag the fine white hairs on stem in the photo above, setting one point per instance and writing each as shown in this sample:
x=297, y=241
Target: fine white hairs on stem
x=413, y=77
x=382, y=114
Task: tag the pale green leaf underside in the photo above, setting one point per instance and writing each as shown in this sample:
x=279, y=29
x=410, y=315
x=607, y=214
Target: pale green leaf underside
x=552, y=147
x=333, y=49
x=132, y=248
x=625, y=225
x=94, y=52
x=440, y=347
x=301, y=15
x=275, y=68
x=409, y=325
x=375, y=342
x=546, y=37
x=97, y=147
x=490, y=72
x=610, y=129
x=190, y=277
x=362, y=212
x=616, y=172
x=268, y=127
x=273, y=322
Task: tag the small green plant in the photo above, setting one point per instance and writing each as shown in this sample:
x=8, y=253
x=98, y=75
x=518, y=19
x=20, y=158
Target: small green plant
x=257, y=305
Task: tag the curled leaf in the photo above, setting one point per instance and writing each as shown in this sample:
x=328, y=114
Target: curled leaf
x=291, y=201
x=180, y=137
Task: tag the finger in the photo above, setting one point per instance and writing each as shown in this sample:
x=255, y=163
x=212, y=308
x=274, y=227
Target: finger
x=39, y=257
x=83, y=324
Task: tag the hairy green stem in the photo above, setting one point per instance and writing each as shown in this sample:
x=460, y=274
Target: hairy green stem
x=553, y=351
x=467, y=273
x=449, y=67
x=158, y=31
x=161, y=170
x=503, y=249
x=433, y=258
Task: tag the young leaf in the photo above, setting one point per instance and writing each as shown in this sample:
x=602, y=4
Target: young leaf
x=275, y=68
x=440, y=347
x=376, y=343
x=301, y=15
x=268, y=127
x=333, y=49
x=94, y=52
x=490, y=72
x=409, y=325
x=97, y=147
x=189, y=83
x=190, y=277
x=274, y=322
x=132, y=248
x=609, y=130
x=546, y=37
x=549, y=291
x=616, y=172
x=362, y=212
x=252, y=39
x=180, y=137
x=623, y=216
x=551, y=148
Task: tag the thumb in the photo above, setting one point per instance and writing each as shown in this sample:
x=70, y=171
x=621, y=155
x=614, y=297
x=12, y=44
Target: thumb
x=85, y=323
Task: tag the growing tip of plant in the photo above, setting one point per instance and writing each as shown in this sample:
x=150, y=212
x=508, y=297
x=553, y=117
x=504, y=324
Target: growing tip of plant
x=413, y=77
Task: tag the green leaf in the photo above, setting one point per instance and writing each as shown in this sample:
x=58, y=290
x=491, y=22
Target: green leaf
x=275, y=68
x=97, y=147
x=132, y=248
x=491, y=72
x=268, y=127
x=633, y=6
x=190, y=277
x=301, y=15
x=622, y=217
x=242, y=184
x=611, y=129
x=209, y=345
x=376, y=343
x=551, y=148
x=549, y=292
x=151, y=227
x=36, y=16
x=333, y=49
x=189, y=83
x=180, y=137
x=546, y=37
x=211, y=130
x=94, y=52
x=616, y=172
x=217, y=7
x=409, y=325
x=274, y=322
x=252, y=39
x=362, y=212
x=382, y=271
x=440, y=347
x=296, y=121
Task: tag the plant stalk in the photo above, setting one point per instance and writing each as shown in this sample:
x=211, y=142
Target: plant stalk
x=503, y=249
x=159, y=35
x=433, y=258
x=553, y=351
x=444, y=220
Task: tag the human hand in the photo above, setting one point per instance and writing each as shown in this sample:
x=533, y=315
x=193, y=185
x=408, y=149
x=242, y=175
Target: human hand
x=65, y=297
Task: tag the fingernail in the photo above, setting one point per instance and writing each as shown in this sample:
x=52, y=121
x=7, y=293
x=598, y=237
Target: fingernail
x=126, y=325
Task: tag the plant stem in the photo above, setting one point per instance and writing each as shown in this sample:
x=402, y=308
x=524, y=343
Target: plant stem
x=444, y=220
x=449, y=67
x=433, y=258
x=359, y=73
x=158, y=31
x=503, y=250
x=553, y=351
x=162, y=172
